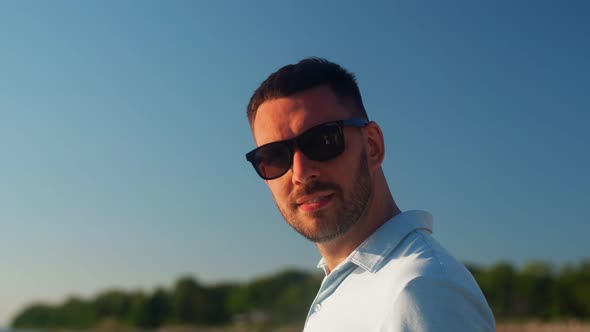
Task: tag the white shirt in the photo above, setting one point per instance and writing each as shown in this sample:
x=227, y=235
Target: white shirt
x=400, y=279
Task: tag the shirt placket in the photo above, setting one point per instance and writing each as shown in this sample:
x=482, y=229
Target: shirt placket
x=329, y=285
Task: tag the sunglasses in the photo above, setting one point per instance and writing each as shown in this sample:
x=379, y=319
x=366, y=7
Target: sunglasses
x=320, y=143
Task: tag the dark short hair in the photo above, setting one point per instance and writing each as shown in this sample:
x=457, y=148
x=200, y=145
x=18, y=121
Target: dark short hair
x=304, y=75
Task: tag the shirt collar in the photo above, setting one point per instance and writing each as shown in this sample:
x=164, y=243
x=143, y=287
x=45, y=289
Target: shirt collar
x=385, y=239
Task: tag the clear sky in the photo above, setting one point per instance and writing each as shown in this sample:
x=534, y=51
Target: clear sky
x=123, y=133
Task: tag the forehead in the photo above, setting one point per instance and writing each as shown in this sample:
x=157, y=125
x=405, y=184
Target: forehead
x=286, y=117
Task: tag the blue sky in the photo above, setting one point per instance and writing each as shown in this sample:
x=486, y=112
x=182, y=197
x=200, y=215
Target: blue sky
x=123, y=133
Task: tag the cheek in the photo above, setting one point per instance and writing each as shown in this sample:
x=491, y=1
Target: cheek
x=350, y=169
x=278, y=189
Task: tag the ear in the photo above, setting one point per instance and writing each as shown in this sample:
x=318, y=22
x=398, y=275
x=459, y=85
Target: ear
x=375, y=145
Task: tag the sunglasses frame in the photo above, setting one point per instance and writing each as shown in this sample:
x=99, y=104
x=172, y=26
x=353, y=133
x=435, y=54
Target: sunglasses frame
x=292, y=142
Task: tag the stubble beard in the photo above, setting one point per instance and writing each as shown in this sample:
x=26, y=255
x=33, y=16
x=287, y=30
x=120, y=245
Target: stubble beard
x=338, y=219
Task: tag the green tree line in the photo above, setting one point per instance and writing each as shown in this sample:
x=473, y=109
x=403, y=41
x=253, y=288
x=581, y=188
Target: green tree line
x=535, y=291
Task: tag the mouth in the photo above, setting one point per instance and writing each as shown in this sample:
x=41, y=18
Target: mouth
x=310, y=204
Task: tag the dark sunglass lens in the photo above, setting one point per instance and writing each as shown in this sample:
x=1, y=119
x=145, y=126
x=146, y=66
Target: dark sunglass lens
x=272, y=160
x=322, y=143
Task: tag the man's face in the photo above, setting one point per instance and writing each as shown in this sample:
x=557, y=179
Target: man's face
x=320, y=200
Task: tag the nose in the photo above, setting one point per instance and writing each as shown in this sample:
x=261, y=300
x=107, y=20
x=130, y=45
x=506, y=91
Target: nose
x=303, y=169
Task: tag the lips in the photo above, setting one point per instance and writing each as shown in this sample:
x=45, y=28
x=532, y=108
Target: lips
x=314, y=203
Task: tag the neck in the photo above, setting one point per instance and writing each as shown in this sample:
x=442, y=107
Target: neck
x=380, y=209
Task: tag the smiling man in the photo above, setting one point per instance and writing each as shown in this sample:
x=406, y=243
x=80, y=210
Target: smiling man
x=321, y=158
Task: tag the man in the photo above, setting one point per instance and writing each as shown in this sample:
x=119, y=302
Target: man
x=321, y=158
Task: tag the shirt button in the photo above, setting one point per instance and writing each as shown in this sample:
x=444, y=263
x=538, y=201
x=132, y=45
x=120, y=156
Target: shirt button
x=317, y=307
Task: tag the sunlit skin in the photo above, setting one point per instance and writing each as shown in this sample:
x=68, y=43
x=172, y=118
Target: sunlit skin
x=316, y=211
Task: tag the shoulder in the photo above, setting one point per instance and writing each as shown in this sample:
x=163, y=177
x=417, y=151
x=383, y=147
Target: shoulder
x=420, y=255
x=439, y=304
x=433, y=292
